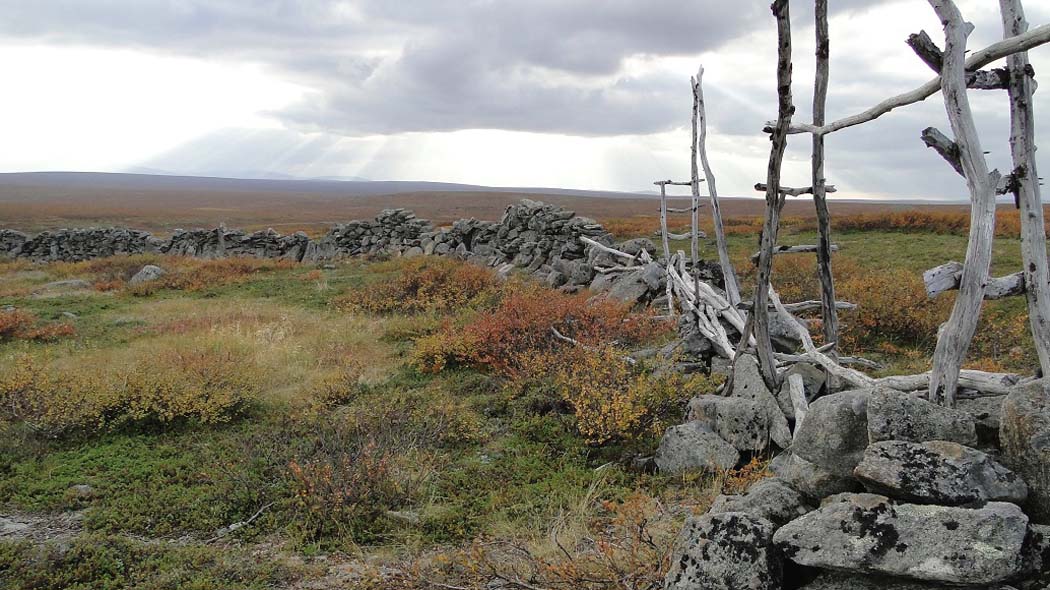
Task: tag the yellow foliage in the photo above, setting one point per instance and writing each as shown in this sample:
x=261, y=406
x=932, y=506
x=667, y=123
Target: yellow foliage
x=613, y=399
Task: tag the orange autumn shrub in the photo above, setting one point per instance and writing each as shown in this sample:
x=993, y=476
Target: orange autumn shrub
x=23, y=325
x=1007, y=222
x=421, y=284
x=522, y=325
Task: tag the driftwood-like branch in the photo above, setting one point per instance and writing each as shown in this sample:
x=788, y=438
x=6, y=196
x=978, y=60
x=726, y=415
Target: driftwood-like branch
x=948, y=276
x=663, y=219
x=986, y=383
x=1025, y=185
x=674, y=236
x=801, y=249
x=605, y=248
x=795, y=192
x=944, y=146
x=677, y=182
x=700, y=116
x=955, y=335
x=774, y=198
x=931, y=55
x=802, y=306
x=812, y=353
x=790, y=359
x=978, y=59
x=797, y=393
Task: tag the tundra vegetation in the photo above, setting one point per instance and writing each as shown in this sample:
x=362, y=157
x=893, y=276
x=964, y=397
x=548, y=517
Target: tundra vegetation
x=244, y=423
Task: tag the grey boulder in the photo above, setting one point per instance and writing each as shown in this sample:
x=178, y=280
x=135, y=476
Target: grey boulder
x=937, y=472
x=731, y=551
x=150, y=272
x=748, y=384
x=770, y=499
x=693, y=447
x=867, y=533
x=813, y=481
x=1024, y=435
x=847, y=581
x=740, y=422
x=835, y=432
x=893, y=415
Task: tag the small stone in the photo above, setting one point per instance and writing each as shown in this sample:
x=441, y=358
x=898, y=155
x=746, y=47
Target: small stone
x=731, y=551
x=770, y=499
x=937, y=472
x=70, y=315
x=693, y=447
x=893, y=415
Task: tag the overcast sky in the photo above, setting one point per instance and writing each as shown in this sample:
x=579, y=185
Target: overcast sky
x=589, y=94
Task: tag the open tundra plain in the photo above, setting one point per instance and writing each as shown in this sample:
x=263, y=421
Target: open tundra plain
x=388, y=421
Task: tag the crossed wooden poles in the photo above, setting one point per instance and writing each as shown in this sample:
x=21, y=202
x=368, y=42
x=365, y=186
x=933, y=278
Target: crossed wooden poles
x=956, y=73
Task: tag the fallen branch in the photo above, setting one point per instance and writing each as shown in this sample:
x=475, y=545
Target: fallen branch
x=948, y=276
x=802, y=306
x=991, y=384
x=795, y=192
x=802, y=249
x=238, y=525
x=575, y=342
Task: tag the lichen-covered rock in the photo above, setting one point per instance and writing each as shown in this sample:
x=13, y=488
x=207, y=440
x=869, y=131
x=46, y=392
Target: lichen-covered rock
x=867, y=533
x=835, y=432
x=730, y=551
x=740, y=422
x=748, y=384
x=987, y=412
x=150, y=272
x=893, y=415
x=11, y=243
x=693, y=447
x=770, y=499
x=813, y=481
x=1024, y=435
x=848, y=581
x=937, y=472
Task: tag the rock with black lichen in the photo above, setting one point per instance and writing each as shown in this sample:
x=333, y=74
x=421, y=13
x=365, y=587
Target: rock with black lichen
x=937, y=472
x=869, y=534
x=730, y=551
x=894, y=415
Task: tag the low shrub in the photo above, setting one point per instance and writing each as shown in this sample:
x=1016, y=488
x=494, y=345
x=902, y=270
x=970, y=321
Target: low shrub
x=427, y=283
x=504, y=339
x=23, y=325
x=202, y=381
x=614, y=399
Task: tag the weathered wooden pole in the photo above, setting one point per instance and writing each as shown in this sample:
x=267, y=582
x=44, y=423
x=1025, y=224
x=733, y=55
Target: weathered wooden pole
x=828, y=313
x=774, y=198
x=663, y=219
x=700, y=146
x=1025, y=185
x=956, y=334
x=694, y=218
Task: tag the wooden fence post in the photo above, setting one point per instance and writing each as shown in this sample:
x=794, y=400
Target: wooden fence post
x=829, y=315
x=1025, y=185
x=774, y=198
x=956, y=334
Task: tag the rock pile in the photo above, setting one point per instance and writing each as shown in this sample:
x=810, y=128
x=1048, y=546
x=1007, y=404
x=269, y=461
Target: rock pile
x=73, y=245
x=393, y=231
x=876, y=488
x=222, y=242
x=11, y=243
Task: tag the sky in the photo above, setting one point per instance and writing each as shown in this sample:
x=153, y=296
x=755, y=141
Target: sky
x=587, y=94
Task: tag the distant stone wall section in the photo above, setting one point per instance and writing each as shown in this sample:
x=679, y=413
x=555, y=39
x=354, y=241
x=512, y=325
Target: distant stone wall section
x=530, y=235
